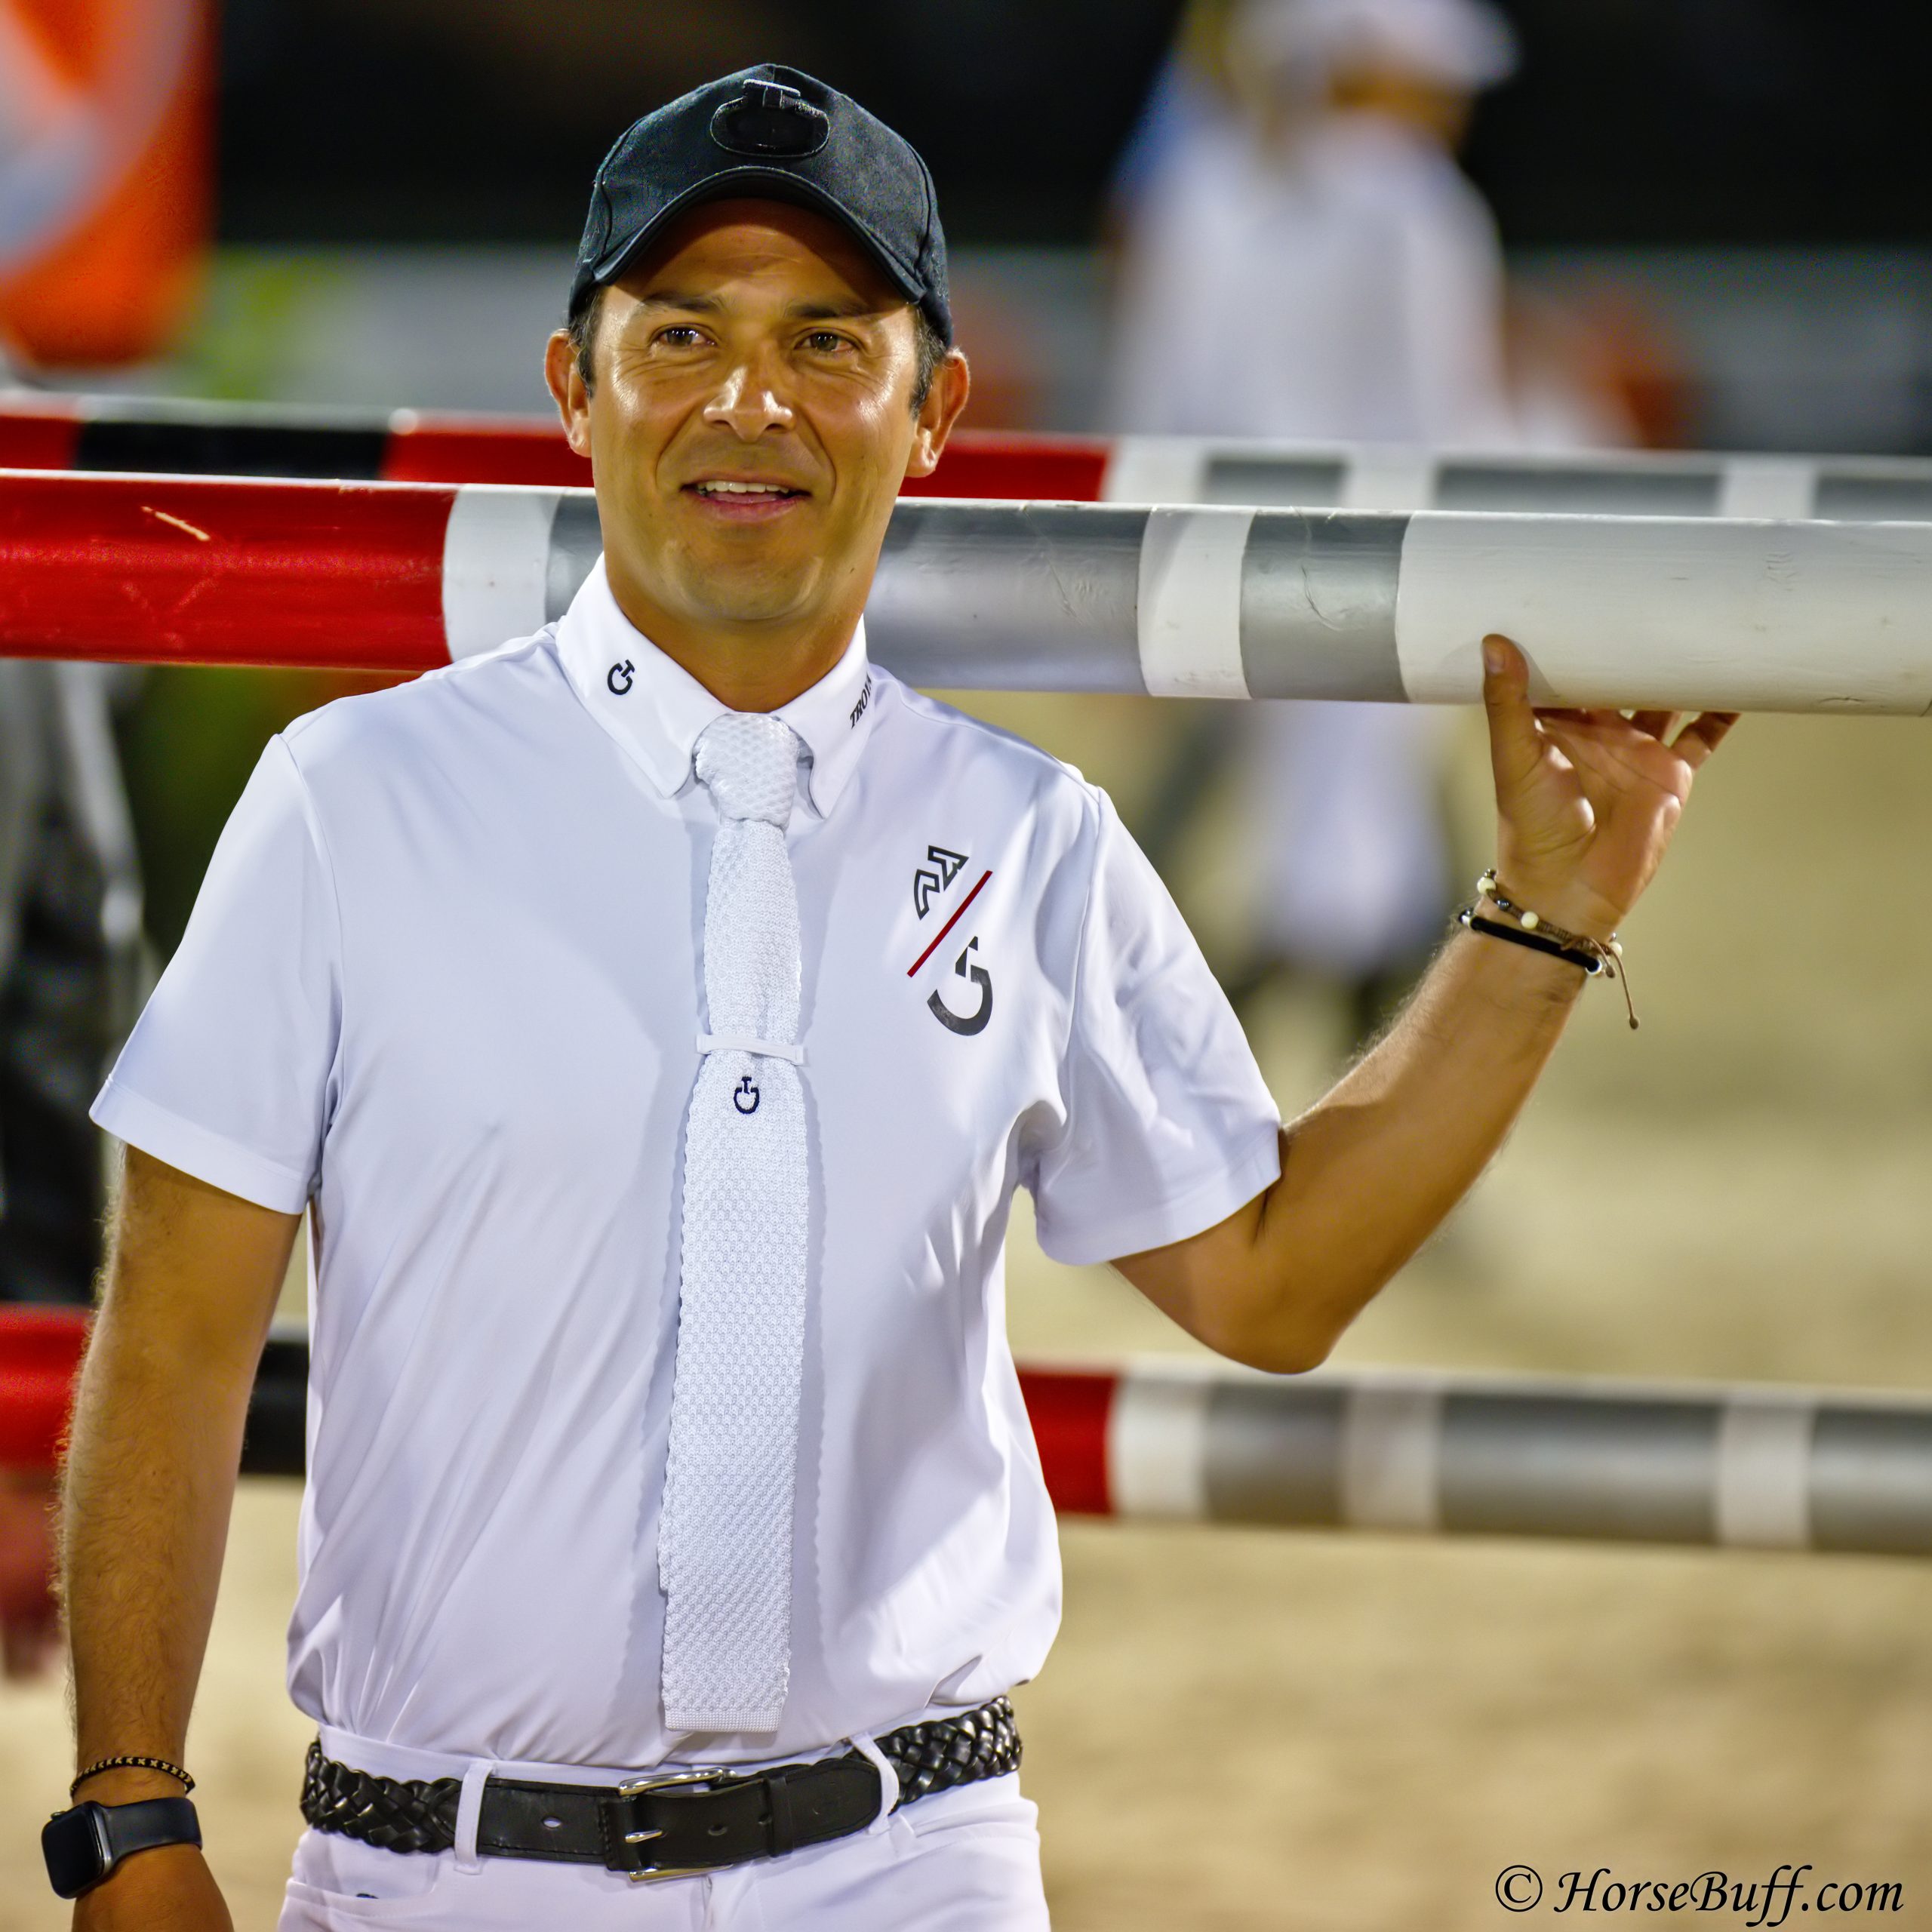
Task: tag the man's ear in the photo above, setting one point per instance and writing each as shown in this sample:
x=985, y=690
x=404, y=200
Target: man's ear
x=567, y=385
x=952, y=383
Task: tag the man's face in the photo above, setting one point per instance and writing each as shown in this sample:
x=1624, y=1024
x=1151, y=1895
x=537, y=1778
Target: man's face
x=751, y=420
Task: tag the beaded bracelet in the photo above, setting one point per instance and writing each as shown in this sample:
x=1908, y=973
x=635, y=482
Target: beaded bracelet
x=132, y=1764
x=1597, y=958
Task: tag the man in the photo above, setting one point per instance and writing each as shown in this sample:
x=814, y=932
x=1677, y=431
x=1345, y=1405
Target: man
x=657, y=1016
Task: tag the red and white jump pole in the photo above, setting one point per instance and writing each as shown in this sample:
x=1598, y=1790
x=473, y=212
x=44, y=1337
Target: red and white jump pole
x=1684, y=612
x=38, y=432
x=1754, y=1468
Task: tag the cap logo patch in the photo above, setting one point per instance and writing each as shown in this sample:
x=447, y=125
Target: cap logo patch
x=770, y=119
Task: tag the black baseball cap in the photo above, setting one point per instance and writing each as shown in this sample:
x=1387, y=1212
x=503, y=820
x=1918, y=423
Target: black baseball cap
x=769, y=131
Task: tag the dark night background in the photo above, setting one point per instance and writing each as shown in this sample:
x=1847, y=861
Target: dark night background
x=1634, y=121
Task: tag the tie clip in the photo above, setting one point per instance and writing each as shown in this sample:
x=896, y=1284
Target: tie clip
x=738, y=1043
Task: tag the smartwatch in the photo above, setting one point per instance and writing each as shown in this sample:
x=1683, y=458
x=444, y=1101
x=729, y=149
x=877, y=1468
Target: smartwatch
x=83, y=1846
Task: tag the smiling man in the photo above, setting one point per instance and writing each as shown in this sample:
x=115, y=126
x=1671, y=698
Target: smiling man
x=656, y=1017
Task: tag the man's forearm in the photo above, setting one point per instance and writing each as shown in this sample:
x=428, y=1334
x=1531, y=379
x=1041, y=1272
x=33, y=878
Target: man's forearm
x=1369, y=1173
x=150, y=1482
x=157, y=1440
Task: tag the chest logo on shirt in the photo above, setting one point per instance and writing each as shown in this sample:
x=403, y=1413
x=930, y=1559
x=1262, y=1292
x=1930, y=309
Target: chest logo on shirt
x=941, y=869
x=929, y=883
x=966, y=967
x=619, y=677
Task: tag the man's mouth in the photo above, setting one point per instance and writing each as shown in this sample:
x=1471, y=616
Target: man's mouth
x=718, y=489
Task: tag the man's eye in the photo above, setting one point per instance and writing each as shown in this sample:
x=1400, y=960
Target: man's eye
x=825, y=342
x=680, y=335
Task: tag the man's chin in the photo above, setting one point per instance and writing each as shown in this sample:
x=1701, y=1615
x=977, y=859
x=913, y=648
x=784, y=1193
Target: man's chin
x=743, y=582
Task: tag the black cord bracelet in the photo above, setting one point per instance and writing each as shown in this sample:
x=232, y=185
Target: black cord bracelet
x=1590, y=963
x=1595, y=958
x=135, y=1764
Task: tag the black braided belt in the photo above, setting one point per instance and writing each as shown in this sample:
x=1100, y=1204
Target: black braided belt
x=698, y=1819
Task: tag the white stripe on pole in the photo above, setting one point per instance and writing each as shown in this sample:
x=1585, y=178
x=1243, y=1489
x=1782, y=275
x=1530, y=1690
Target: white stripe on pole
x=1773, y=488
x=1189, y=605
x=1157, y=1443
x=1764, y=1499
x=1684, y=614
x=496, y=564
x=1155, y=470
x=1393, y=479
x=1392, y=1453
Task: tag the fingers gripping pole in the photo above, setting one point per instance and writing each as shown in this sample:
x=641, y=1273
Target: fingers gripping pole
x=1686, y=613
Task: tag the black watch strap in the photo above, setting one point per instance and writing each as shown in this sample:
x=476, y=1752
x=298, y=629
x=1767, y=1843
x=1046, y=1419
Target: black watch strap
x=84, y=1845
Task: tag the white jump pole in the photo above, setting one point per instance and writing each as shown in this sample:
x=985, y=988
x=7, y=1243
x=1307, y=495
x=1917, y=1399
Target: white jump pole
x=1207, y=602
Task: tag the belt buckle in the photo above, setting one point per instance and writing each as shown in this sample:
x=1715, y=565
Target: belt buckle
x=710, y=1775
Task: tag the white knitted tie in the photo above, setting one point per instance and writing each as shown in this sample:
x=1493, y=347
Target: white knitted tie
x=724, y=1542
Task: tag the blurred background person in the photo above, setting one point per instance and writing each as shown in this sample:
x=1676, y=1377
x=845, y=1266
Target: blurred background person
x=1294, y=211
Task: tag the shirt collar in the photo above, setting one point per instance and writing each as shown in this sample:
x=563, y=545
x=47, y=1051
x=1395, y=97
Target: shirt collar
x=657, y=710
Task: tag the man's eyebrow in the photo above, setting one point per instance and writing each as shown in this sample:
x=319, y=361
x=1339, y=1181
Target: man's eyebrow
x=678, y=298
x=855, y=309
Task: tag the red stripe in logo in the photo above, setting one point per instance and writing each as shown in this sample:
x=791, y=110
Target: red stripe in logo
x=912, y=971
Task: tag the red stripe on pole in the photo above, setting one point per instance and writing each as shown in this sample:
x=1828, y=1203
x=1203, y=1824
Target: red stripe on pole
x=1025, y=468
x=1070, y=1411
x=445, y=449
x=211, y=570
x=38, y=438
x=40, y=1354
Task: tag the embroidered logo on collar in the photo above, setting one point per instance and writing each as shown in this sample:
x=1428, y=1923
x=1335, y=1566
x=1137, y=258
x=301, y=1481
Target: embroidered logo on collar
x=619, y=677
x=931, y=879
x=865, y=699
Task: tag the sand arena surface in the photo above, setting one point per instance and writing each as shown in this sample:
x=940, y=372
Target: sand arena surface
x=1244, y=1730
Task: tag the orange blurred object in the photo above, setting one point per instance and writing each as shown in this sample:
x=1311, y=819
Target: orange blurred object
x=106, y=176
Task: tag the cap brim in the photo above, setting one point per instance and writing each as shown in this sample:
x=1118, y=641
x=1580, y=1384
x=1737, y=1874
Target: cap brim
x=756, y=183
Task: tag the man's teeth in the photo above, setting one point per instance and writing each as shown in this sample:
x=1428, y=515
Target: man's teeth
x=744, y=489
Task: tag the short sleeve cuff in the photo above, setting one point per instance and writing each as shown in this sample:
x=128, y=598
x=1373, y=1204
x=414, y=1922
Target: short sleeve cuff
x=198, y=1151
x=1211, y=1199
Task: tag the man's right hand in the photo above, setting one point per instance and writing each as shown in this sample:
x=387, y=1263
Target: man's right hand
x=171, y=1889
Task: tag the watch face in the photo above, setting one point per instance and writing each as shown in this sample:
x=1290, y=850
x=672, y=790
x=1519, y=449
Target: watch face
x=74, y=1845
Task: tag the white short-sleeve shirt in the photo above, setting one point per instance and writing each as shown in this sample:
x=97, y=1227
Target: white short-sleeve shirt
x=442, y=982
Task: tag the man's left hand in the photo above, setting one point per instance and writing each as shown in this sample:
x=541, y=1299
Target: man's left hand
x=1586, y=800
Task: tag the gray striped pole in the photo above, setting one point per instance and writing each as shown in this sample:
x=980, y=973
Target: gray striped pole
x=1688, y=615
x=1165, y=469
x=1750, y=1468
x=1764, y=1468
x=1210, y=602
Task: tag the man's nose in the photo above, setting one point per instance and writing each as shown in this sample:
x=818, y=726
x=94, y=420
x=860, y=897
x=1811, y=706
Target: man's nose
x=748, y=403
